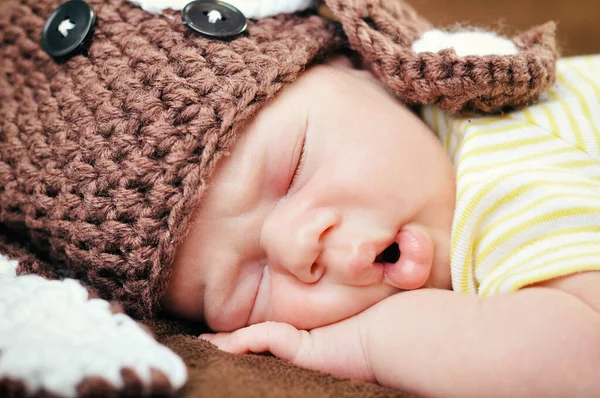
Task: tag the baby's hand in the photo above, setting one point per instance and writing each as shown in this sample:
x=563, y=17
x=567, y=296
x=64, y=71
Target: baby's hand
x=338, y=348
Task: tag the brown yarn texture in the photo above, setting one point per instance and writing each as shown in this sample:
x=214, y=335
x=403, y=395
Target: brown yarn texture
x=382, y=31
x=103, y=158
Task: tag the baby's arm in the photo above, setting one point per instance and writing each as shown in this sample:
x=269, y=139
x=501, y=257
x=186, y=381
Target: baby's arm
x=539, y=341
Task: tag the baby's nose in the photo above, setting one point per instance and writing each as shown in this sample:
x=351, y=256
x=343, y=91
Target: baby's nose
x=295, y=245
x=352, y=264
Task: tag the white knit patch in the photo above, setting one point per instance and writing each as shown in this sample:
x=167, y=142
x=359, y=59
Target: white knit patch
x=8, y=269
x=465, y=43
x=52, y=337
x=255, y=9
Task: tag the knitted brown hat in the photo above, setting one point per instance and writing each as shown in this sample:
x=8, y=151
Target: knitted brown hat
x=104, y=157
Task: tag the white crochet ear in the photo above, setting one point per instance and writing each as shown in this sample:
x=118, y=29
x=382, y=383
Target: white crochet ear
x=53, y=338
x=8, y=269
x=468, y=42
x=255, y=9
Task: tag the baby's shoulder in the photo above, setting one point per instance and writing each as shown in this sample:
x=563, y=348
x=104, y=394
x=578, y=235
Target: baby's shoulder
x=564, y=122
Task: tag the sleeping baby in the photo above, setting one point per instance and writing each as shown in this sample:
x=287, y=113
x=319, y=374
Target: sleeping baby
x=276, y=186
x=341, y=234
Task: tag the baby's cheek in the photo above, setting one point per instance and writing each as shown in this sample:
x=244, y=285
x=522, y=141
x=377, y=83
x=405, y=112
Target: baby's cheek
x=308, y=306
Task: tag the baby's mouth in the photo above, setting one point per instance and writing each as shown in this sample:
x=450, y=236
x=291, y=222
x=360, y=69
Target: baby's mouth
x=407, y=262
x=390, y=255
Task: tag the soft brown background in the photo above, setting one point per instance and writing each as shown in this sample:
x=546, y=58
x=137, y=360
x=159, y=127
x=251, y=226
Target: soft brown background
x=578, y=20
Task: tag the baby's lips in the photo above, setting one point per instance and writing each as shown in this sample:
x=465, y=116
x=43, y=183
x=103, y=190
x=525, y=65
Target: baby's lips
x=412, y=269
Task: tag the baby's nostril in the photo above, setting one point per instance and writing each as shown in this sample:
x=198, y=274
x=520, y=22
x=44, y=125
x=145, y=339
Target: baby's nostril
x=390, y=255
x=313, y=268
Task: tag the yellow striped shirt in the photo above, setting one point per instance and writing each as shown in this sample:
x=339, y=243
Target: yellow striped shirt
x=528, y=186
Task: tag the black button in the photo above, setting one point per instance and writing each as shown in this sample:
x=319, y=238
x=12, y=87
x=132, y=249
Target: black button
x=214, y=19
x=68, y=29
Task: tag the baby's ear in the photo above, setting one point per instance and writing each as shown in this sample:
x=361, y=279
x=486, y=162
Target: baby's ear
x=341, y=62
x=352, y=66
x=459, y=71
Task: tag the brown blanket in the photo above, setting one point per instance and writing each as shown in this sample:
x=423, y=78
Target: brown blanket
x=214, y=373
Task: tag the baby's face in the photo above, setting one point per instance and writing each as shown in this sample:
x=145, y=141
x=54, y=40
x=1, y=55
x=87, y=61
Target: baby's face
x=295, y=221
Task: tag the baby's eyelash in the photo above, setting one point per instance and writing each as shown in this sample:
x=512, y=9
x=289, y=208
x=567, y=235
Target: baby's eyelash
x=300, y=162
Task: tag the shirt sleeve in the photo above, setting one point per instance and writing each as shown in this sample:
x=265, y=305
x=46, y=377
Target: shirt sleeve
x=528, y=186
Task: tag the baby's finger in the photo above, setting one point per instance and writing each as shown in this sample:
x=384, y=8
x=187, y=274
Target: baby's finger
x=213, y=338
x=280, y=339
